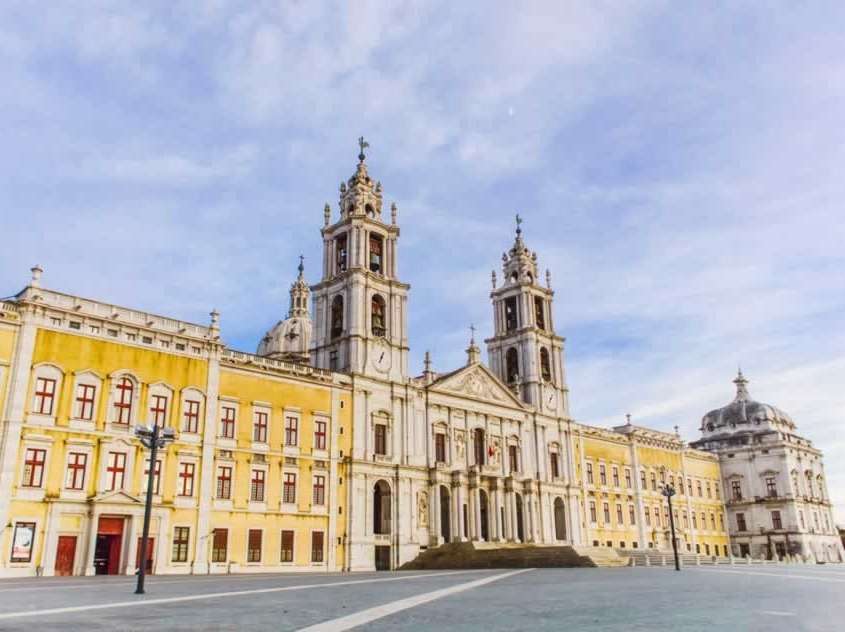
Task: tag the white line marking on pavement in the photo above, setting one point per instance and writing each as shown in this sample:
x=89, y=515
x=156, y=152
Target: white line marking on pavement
x=778, y=613
x=371, y=614
x=217, y=595
x=817, y=578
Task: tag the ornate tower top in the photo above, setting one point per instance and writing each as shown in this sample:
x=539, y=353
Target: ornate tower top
x=299, y=293
x=360, y=195
x=473, y=352
x=519, y=263
x=741, y=387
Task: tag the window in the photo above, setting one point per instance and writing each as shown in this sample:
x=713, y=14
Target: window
x=115, y=471
x=771, y=488
x=589, y=473
x=619, y=519
x=333, y=360
x=227, y=422
x=291, y=431
x=380, y=432
x=776, y=521
x=287, y=546
x=545, y=365
x=686, y=520
x=76, y=464
x=511, y=314
x=698, y=488
x=186, y=479
x=555, y=464
x=337, y=316
x=156, y=476
x=375, y=253
x=703, y=521
x=259, y=427
x=254, y=546
x=656, y=517
x=478, y=445
x=716, y=489
x=602, y=474
x=632, y=515
x=647, y=517
x=643, y=484
x=23, y=539
x=316, y=547
x=33, y=468
x=736, y=490
x=513, y=458
x=540, y=315
x=377, y=321
x=627, y=478
x=593, y=511
x=709, y=491
x=181, y=536
x=45, y=393
x=85, y=401
x=440, y=447
x=289, y=488
x=801, y=519
x=220, y=545
x=320, y=435
x=224, y=482
x=689, y=486
x=721, y=522
x=512, y=365
x=606, y=511
x=340, y=253
x=319, y=495
x=158, y=410
x=615, y=476
x=124, y=391
x=653, y=482
x=256, y=488
x=713, y=521
x=190, y=421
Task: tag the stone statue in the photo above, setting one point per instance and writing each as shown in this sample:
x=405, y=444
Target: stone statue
x=460, y=443
x=422, y=504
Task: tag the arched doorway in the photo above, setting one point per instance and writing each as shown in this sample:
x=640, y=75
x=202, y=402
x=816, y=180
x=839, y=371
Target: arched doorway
x=484, y=513
x=560, y=520
x=520, y=531
x=444, y=513
x=381, y=523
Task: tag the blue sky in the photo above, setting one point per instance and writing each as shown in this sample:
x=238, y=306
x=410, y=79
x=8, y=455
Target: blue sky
x=679, y=169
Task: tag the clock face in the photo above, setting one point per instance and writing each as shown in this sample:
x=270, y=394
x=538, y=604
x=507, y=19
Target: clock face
x=381, y=356
x=551, y=400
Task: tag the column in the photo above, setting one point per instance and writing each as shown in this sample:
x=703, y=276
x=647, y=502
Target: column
x=528, y=512
x=51, y=541
x=457, y=514
x=507, y=525
x=434, y=530
x=93, y=525
x=132, y=535
x=476, y=496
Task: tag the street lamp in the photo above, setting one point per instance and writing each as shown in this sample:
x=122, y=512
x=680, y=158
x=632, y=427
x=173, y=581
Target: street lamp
x=668, y=490
x=153, y=438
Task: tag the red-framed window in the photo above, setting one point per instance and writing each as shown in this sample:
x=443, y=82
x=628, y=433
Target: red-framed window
x=220, y=545
x=256, y=487
x=593, y=511
x=186, y=479
x=440, y=447
x=33, y=467
x=85, y=401
x=124, y=391
x=619, y=518
x=181, y=539
x=319, y=496
x=320, y=435
x=287, y=546
x=158, y=410
x=227, y=423
x=115, y=471
x=317, y=546
x=289, y=488
x=156, y=476
x=632, y=515
x=76, y=464
x=224, y=482
x=606, y=512
x=602, y=474
x=259, y=427
x=191, y=418
x=254, y=546
x=615, y=471
x=45, y=394
x=555, y=464
x=291, y=431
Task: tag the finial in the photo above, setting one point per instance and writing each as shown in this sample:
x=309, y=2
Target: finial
x=427, y=362
x=393, y=213
x=327, y=214
x=741, y=389
x=36, y=275
x=363, y=145
x=677, y=431
x=301, y=266
x=493, y=278
x=518, y=225
x=627, y=419
x=548, y=278
x=215, y=319
x=473, y=352
x=472, y=334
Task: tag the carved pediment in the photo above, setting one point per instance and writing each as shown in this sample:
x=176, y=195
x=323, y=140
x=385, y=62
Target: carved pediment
x=118, y=496
x=478, y=382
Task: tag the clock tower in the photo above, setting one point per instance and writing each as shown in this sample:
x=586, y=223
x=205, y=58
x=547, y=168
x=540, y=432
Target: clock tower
x=525, y=351
x=360, y=306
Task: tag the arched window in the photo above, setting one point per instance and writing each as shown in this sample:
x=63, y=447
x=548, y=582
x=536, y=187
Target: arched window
x=369, y=210
x=539, y=312
x=478, y=445
x=545, y=365
x=375, y=253
x=511, y=365
x=123, y=400
x=381, y=508
x=337, y=316
x=377, y=316
x=340, y=254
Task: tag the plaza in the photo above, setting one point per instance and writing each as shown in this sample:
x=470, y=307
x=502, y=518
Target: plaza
x=787, y=597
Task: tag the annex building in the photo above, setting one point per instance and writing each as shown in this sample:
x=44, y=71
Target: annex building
x=321, y=451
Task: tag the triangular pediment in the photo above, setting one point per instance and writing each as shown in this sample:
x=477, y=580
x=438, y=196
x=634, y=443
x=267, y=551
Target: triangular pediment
x=118, y=496
x=478, y=382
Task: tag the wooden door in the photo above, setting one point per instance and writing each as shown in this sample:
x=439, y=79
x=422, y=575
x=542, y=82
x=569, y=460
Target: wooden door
x=150, y=548
x=65, y=554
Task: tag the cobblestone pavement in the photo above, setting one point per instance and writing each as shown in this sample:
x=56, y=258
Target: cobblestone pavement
x=701, y=598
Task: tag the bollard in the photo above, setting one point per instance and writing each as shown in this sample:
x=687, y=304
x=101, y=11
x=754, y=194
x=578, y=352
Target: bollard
x=663, y=560
x=647, y=560
x=698, y=560
x=733, y=561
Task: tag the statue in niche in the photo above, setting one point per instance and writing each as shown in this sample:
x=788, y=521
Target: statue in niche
x=460, y=444
x=494, y=451
x=422, y=504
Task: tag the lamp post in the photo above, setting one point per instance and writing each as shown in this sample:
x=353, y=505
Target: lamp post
x=153, y=438
x=668, y=490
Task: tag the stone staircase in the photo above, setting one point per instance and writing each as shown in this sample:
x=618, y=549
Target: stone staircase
x=656, y=557
x=464, y=555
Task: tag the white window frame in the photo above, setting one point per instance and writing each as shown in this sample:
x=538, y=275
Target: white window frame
x=111, y=417
x=191, y=394
x=292, y=450
x=159, y=389
x=86, y=378
x=227, y=442
x=82, y=446
x=261, y=407
x=34, y=442
x=51, y=372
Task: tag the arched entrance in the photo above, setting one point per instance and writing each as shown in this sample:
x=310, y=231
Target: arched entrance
x=483, y=511
x=444, y=513
x=520, y=531
x=381, y=524
x=560, y=520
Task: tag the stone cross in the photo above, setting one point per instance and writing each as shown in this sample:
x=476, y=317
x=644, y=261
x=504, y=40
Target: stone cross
x=363, y=145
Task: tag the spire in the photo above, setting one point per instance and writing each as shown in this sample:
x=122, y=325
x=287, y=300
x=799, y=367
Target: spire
x=428, y=374
x=473, y=352
x=519, y=264
x=299, y=293
x=363, y=145
x=741, y=390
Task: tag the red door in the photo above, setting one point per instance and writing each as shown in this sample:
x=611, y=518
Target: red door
x=112, y=530
x=65, y=554
x=150, y=547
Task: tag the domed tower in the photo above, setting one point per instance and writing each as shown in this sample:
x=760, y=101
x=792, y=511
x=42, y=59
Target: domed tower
x=525, y=351
x=290, y=339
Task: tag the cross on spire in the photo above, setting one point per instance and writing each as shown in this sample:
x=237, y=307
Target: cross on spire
x=518, y=224
x=363, y=145
x=472, y=333
x=301, y=267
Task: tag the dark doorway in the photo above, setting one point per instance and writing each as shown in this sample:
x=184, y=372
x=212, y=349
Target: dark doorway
x=520, y=531
x=65, y=554
x=444, y=513
x=560, y=520
x=482, y=510
x=744, y=550
x=108, y=547
x=382, y=558
x=150, y=548
x=381, y=508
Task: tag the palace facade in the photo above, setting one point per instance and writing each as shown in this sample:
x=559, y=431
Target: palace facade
x=321, y=451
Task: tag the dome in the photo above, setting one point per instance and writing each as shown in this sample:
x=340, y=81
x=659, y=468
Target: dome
x=290, y=339
x=743, y=413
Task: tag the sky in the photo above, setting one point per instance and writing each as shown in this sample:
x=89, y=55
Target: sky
x=678, y=167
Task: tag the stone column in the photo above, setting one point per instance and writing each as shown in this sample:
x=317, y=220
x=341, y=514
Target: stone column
x=434, y=528
x=51, y=541
x=514, y=518
x=528, y=511
x=93, y=526
x=457, y=513
x=132, y=544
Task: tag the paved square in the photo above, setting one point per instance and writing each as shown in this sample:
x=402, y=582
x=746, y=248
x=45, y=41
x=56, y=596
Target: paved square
x=706, y=598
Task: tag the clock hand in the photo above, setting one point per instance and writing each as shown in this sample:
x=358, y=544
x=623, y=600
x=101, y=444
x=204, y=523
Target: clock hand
x=381, y=357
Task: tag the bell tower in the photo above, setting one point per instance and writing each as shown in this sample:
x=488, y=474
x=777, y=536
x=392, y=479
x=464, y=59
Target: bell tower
x=359, y=304
x=525, y=352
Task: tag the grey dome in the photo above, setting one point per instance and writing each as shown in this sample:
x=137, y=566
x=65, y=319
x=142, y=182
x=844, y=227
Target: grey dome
x=743, y=413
